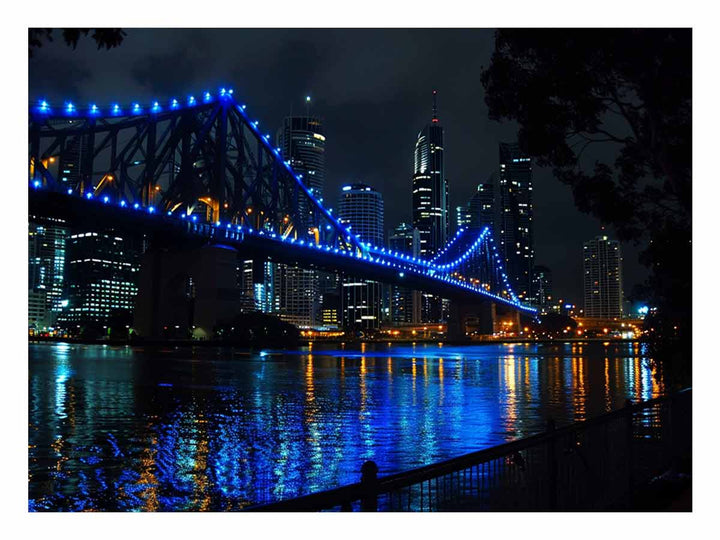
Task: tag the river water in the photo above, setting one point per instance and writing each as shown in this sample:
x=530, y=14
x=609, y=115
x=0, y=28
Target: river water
x=163, y=429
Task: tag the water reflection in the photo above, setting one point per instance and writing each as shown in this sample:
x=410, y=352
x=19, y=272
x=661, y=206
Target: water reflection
x=116, y=428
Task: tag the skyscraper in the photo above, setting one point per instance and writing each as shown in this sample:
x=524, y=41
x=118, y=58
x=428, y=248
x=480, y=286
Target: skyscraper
x=541, y=287
x=101, y=281
x=361, y=208
x=479, y=212
x=404, y=302
x=430, y=207
x=602, y=266
x=516, y=218
x=302, y=141
x=46, y=252
x=430, y=204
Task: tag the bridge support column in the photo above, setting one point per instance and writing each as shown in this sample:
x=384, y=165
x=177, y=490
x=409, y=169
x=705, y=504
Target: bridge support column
x=461, y=313
x=185, y=292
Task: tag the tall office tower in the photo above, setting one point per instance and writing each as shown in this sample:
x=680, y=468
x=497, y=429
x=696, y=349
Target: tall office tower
x=541, y=287
x=100, y=280
x=46, y=252
x=463, y=216
x=516, y=218
x=602, y=266
x=430, y=202
x=479, y=212
x=430, y=207
x=302, y=141
x=257, y=281
x=404, y=302
x=361, y=209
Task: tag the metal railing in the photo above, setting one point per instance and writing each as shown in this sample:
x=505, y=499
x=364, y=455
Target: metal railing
x=591, y=465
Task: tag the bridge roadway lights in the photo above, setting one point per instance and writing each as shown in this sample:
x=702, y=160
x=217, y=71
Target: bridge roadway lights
x=183, y=291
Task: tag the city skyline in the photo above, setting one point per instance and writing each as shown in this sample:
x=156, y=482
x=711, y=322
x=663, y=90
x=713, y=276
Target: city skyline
x=382, y=124
x=340, y=269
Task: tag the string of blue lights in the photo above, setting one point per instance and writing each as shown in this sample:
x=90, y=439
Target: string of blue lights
x=362, y=252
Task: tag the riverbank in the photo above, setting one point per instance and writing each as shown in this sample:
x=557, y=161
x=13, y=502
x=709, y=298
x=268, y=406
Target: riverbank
x=306, y=343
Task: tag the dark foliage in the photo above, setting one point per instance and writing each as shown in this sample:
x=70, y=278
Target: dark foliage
x=623, y=93
x=104, y=37
x=258, y=329
x=554, y=324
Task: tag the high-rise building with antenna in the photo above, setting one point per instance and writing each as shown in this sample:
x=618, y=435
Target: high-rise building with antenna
x=430, y=206
x=297, y=290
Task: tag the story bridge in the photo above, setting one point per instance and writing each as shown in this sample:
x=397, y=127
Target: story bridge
x=201, y=180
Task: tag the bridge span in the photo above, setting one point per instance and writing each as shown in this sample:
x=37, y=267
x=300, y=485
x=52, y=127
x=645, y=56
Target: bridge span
x=203, y=183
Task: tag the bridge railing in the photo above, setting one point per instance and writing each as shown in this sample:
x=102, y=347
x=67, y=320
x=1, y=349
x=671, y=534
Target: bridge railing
x=595, y=464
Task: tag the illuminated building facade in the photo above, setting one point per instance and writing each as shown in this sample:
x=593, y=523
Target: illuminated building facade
x=46, y=256
x=404, y=302
x=430, y=208
x=481, y=209
x=430, y=202
x=602, y=279
x=361, y=209
x=101, y=280
x=542, y=287
x=297, y=290
x=515, y=234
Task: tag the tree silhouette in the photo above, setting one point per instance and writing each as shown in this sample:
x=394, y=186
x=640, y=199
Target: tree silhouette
x=609, y=110
x=104, y=37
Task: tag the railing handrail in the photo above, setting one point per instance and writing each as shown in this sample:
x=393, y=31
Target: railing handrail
x=337, y=496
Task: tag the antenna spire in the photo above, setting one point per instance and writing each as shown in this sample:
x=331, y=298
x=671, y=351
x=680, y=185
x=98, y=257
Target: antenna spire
x=434, y=116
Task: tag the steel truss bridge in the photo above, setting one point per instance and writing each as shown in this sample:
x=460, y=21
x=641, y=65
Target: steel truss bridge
x=202, y=168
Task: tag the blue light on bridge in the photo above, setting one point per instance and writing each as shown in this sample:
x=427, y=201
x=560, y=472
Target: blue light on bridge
x=106, y=199
x=69, y=191
x=402, y=260
x=88, y=195
x=44, y=107
x=37, y=183
x=69, y=108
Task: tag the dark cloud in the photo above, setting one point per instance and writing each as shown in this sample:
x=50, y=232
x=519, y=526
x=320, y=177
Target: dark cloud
x=371, y=86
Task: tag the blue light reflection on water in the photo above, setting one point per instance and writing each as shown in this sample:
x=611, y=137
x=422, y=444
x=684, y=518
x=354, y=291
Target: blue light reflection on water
x=120, y=428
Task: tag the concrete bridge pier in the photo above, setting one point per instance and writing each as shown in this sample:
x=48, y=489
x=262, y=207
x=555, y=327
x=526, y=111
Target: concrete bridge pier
x=186, y=290
x=461, y=313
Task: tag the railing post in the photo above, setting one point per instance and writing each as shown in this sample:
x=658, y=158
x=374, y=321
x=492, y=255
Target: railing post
x=630, y=459
x=552, y=466
x=369, y=483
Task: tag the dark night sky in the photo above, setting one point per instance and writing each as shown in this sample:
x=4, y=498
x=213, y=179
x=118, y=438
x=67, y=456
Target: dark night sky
x=371, y=87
